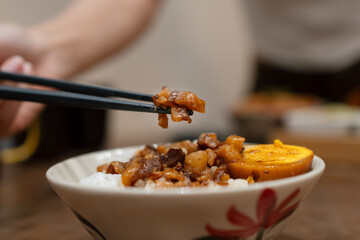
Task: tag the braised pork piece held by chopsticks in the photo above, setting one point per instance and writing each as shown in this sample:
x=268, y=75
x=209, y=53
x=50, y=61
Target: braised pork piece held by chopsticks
x=179, y=103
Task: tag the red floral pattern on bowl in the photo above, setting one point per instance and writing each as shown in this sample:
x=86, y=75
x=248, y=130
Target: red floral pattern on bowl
x=268, y=215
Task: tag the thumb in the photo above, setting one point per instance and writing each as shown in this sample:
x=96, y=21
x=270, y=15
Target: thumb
x=13, y=64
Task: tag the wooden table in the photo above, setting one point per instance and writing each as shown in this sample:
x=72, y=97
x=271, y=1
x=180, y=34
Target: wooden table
x=29, y=209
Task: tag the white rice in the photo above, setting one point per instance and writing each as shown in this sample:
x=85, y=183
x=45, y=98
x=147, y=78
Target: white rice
x=103, y=180
x=114, y=181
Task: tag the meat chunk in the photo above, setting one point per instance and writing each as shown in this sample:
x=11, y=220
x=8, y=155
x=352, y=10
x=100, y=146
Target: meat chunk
x=208, y=140
x=229, y=153
x=114, y=167
x=163, y=120
x=180, y=114
x=196, y=162
x=139, y=169
x=179, y=102
x=173, y=157
x=147, y=167
x=236, y=141
x=221, y=174
x=188, y=100
x=187, y=146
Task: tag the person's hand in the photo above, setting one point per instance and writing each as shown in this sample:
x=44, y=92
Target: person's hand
x=15, y=40
x=15, y=116
x=66, y=44
x=32, y=45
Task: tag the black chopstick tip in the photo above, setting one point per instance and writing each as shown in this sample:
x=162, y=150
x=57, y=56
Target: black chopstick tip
x=168, y=110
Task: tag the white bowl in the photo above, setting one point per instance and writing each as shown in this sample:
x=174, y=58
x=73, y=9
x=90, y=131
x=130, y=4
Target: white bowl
x=257, y=211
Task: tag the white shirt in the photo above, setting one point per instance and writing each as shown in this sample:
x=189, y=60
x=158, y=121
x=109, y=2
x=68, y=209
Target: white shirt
x=315, y=35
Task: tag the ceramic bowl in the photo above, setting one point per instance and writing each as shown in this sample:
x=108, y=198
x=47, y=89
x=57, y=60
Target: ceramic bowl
x=257, y=211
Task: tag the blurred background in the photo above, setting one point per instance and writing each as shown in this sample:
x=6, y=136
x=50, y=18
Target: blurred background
x=220, y=51
x=197, y=46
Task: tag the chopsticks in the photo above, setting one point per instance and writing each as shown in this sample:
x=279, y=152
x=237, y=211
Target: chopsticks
x=76, y=95
x=75, y=87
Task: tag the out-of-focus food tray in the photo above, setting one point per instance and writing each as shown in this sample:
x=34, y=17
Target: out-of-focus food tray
x=257, y=115
x=326, y=120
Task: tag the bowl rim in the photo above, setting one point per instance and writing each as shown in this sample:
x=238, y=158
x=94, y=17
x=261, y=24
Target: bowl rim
x=317, y=168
